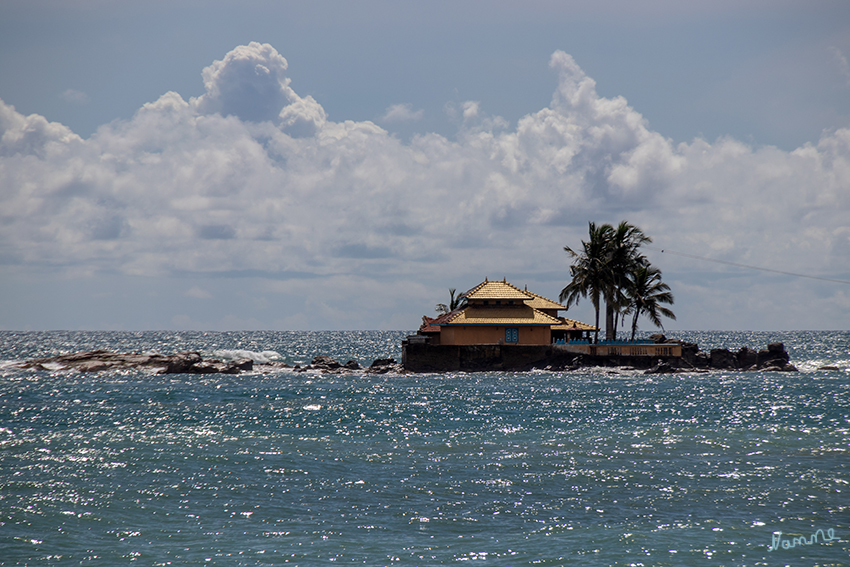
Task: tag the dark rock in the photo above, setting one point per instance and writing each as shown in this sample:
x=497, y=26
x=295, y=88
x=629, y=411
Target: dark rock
x=100, y=360
x=723, y=359
x=181, y=363
x=382, y=366
x=94, y=366
x=324, y=362
x=774, y=356
x=206, y=367
x=692, y=356
x=747, y=358
x=701, y=360
x=658, y=338
x=327, y=365
x=241, y=365
x=83, y=356
x=779, y=367
x=662, y=367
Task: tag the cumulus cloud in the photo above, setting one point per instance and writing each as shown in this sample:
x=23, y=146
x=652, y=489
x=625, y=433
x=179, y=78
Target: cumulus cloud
x=399, y=113
x=75, y=97
x=250, y=83
x=251, y=178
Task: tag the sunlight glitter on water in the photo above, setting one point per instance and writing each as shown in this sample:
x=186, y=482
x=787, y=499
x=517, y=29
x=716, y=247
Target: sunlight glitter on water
x=584, y=468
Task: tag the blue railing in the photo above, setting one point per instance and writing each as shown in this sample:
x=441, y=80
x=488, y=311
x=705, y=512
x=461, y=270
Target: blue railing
x=616, y=342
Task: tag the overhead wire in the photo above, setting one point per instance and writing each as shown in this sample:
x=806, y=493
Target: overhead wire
x=747, y=266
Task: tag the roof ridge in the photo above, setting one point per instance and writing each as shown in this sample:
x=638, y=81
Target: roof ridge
x=487, y=282
x=537, y=295
x=541, y=317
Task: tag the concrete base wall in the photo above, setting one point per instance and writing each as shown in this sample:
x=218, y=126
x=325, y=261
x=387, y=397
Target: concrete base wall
x=481, y=358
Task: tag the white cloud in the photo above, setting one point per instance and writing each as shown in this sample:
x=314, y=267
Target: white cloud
x=843, y=65
x=196, y=292
x=398, y=113
x=75, y=97
x=252, y=179
x=250, y=82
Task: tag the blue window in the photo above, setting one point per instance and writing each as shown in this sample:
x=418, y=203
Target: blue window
x=511, y=335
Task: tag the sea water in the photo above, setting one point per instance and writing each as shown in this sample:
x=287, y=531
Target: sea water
x=590, y=467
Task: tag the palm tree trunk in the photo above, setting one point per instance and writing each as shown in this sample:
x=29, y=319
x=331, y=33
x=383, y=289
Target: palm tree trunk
x=634, y=324
x=596, y=338
x=609, y=321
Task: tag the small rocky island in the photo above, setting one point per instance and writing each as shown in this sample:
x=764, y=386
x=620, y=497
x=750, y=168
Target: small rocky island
x=774, y=358
x=680, y=357
x=190, y=363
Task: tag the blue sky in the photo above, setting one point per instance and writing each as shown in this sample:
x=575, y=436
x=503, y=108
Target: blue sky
x=340, y=165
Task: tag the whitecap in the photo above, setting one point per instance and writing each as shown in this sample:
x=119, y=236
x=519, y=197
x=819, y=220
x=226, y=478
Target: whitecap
x=263, y=357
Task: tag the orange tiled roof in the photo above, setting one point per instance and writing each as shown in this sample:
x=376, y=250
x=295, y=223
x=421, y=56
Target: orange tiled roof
x=540, y=302
x=432, y=325
x=497, y=290
x=570, y=324
x=500, y=315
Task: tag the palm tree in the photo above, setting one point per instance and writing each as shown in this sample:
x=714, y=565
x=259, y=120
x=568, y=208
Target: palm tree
x=603, y=268
x=624, y=259
x=647, y=292
x=590, y=271
x=454, y=303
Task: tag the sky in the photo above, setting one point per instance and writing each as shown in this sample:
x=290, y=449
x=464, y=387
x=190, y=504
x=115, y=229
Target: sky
x=212, y=165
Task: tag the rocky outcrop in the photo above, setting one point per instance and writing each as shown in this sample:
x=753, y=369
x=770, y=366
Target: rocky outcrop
x=772, y=359
x=722, y=358
x=384, y=365
x=427, y=358
x=747, y=358
x=327, y=365
x=470, y=359
x=192, y=363
x=662, y=367
x=99, y=360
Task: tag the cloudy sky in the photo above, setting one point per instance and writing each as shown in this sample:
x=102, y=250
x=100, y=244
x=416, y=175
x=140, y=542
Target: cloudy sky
x=339, y=165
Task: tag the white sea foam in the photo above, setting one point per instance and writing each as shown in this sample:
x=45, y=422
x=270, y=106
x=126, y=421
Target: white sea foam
x=821, y=364
x=263, y=357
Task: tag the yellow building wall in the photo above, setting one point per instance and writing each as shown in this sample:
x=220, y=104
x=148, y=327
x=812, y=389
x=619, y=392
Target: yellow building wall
x=487, y=335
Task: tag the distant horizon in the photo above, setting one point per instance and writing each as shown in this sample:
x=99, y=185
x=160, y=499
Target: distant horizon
x=394, y=331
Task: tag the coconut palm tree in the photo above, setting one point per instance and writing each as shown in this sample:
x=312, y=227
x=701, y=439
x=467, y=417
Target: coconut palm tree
x=601, y=270
x=454, y=303
x=646, y=293
x=624, y=259
x=590, y=270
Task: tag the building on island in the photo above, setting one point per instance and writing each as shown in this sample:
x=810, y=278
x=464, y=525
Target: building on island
x=501, y=327
x=496, y=312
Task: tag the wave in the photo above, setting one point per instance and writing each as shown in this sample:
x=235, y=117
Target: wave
x=263, y=357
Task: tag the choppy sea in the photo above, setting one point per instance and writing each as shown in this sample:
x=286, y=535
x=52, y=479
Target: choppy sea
x=592, y=467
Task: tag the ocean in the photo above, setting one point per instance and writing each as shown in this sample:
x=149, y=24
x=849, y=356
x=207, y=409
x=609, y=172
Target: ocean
x=591, y=467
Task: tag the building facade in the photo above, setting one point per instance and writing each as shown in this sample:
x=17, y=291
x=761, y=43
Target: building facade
x=498, y=313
